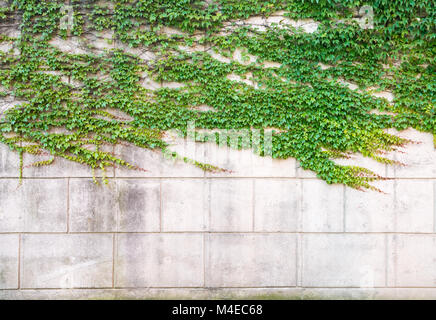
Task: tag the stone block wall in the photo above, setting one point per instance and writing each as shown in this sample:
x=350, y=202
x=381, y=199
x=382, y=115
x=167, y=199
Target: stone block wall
x=266, y=229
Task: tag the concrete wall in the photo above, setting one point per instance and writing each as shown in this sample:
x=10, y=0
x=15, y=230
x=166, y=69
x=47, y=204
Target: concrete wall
x=174, y=231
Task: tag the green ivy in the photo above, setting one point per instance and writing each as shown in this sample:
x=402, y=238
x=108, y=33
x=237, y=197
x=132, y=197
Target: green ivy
x=317, y=118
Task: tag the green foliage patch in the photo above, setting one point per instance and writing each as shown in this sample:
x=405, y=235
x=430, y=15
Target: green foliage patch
x=316, y=117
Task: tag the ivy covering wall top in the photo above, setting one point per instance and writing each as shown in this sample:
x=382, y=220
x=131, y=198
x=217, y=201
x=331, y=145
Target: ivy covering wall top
x=316, y=117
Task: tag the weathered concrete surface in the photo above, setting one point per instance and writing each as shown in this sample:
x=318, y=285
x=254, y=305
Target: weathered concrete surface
x=67, y=261
x=277, y=205
x=231, y=206
x=262, y=229
x=419, y=159
x=159, y=260
x=245, y=163
x=9, y=162
x=278, y=233
x=322, y=207
x=247, y=260
x=185, y=205
x=224, y=293
x=120, y=206
x=9, y=250
x=344, y=260
x=363, y=209
x=154, y=164
x=412, y=258
x=35, y=206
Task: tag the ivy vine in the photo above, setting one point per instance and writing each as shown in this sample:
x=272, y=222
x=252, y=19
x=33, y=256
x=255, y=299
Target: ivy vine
x=317, y=118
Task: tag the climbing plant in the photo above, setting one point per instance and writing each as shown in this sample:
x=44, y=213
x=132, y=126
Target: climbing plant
x=71, y=100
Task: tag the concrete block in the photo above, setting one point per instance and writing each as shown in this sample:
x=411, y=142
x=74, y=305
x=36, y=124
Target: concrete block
x=255, y=20
x=9, y=162
x=389, y=96
x=231, y=205
x=238, y=163
x=218, y=56
x=100, y=40
x=277, y=19
x=269, y=167
x=59, y=168
x=35, y=206
x=203, y=108
x=173, y=85
x=323, y=207
x=171, y=31
x=93, y=208
x=277, y=205
x=243, y=57
x=415, y=206
x=350, y=85
x=271, y=64
x=343, y=260
x=325, y=66
x=9, y=261
x=150, y=84
x=185, y=205
x=122, y=205
x=159, y=260
x=12, y=31
x=419, y=159
x=251, y=260
x=370, y=211
x=73, y=45
x=308, y=26
x=247, y=79
x=106, y=4
x=142, y=53
x=139, y=205
x=413, y=260
x=67, y=261
x=193, y=48
x=7, y=104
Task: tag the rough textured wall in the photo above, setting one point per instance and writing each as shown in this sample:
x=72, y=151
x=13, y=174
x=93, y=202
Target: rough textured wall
x=266, y=229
